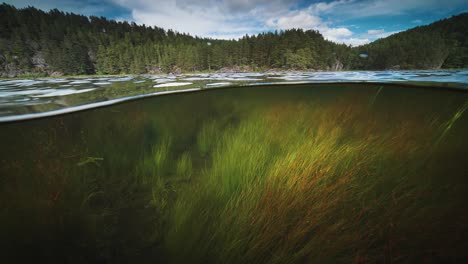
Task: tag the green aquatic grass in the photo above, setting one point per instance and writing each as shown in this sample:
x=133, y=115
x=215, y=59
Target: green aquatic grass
x=207, y=138
x=156, y=164
x=448, y=125
x=374, y=98
x=279, y=185
x=184, y=166
x=290, y=178
x=90, y=160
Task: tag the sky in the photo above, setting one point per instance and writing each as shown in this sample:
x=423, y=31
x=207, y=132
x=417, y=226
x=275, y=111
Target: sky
x=353, y=22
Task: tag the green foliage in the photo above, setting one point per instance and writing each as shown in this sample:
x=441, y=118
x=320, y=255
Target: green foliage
x=207, y=138
x=442, y=44
x=298, y=60
x=184, y=166
x=260, y=175
x=75, y=44
x=319, y=187
x=158, y=160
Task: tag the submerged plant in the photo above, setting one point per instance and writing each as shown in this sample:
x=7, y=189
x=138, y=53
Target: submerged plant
x=88, y=160
x=279, y=188
x=207, y=138
x=184, y=166
x=374, y=98
x=160, y=155
x=298, y=177
x=156, y=163
x=449, y=124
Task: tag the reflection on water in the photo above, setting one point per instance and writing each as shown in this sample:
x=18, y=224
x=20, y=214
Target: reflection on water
x=20, y=97
x=323, y=173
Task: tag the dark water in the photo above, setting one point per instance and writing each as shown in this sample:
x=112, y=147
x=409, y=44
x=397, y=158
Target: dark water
x=204, y=177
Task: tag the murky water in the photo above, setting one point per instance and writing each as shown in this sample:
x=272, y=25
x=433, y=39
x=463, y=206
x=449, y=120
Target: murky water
x=299, y=173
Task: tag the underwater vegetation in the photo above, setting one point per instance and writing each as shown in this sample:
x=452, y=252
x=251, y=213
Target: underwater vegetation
x=333, y=173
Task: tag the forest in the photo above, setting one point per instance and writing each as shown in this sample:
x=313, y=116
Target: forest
x=443, y=44
x=55, y=43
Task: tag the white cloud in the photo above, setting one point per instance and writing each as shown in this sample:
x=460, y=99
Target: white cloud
x=369, y=8
x=357, y=41
x=299, y=19
x=417, y=21
x=374, y=34
x=327, y=7
x=338, y=35
x=307, y=20
x=202, y=18
x=375, y=31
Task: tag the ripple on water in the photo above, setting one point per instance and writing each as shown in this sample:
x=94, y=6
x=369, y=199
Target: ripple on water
x=80, y=82
x=218, y=84
x=122, y=79
x=63, y=92
x=172, y=84
x=102, y=83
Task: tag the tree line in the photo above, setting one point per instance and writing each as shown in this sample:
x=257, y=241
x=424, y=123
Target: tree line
x=39, y=42
x=443, y=44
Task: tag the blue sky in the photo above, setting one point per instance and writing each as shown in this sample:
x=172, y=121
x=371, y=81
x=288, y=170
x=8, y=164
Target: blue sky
x=353, y=22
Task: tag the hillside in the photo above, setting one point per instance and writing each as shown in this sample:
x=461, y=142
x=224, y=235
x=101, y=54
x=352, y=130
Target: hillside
x=443, y=44
x=54, y=43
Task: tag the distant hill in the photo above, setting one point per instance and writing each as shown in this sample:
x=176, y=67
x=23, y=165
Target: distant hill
x=443, y=44
x=54, y=43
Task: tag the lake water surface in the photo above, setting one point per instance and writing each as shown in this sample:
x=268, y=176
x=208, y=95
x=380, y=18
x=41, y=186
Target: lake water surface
x=30, y=98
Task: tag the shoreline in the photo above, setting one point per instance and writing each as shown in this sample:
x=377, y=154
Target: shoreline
x=268, y=71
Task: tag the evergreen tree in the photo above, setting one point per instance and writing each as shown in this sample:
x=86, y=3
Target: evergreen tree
x=76, y=44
